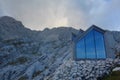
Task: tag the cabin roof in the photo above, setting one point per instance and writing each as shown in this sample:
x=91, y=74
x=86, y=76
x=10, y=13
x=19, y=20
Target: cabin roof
x=78, y=37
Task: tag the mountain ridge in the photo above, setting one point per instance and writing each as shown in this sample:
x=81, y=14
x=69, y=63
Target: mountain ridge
x=22, y=50
x=11, y=28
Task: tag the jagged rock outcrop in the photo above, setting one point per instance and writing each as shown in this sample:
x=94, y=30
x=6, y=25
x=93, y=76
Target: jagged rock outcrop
x=11, y=28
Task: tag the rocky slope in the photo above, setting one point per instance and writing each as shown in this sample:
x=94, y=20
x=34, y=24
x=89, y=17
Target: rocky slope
x=38, y=55
x=84, y=70
x=28, y=54
x=31, y=59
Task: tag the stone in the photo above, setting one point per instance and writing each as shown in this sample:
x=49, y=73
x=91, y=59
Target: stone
x=116, y=69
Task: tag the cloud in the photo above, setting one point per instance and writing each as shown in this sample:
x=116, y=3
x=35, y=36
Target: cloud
x=39, y=14
x=106, y=14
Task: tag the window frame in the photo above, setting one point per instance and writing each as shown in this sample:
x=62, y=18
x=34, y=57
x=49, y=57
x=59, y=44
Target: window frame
x=75, y=56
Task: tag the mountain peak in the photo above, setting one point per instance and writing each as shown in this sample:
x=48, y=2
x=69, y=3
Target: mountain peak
x=12, y=28
x=7, y=18
x=10, y=22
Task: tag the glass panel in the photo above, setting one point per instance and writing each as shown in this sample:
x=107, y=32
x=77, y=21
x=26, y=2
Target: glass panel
x=90, y=46
x=80, y=49
x=100, y=48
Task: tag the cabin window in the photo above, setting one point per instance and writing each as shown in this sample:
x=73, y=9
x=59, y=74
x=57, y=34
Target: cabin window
x=80, y=49
x=91, y=46
x=99, y=43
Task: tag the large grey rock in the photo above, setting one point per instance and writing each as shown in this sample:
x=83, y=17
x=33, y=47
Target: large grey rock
x=116, y=69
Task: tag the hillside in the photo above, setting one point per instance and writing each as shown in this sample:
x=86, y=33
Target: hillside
x=41, y=55
x=23, y=50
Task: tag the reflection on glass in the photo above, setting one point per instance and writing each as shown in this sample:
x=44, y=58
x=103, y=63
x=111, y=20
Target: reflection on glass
x=99, y=42
x=80, y=49
x=90, y=47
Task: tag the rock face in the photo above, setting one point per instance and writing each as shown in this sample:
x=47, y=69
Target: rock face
x=22, y=58
x=45, y=55
x=27, y=54
x=112, y=43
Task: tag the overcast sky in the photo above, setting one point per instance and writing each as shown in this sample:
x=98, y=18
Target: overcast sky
x=39, y=14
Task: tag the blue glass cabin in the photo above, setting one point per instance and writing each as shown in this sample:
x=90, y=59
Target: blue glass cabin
x=90, y=45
